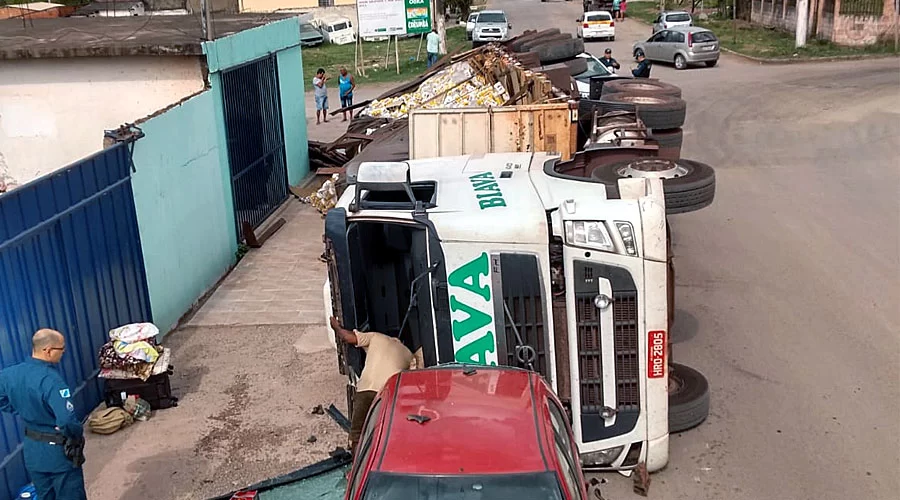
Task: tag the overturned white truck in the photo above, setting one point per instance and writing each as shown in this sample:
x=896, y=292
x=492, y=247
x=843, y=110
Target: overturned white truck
x=504, y=258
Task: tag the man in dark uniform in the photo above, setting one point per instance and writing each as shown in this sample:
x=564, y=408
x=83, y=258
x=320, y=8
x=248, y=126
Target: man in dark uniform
x=54, y=438
x=643, y=67
x=608, y=60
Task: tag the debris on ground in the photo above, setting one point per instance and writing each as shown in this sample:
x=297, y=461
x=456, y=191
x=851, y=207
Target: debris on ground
x=325, y=198
x=318, y=410
x=641, y=480
x=312, y=439
x=326, y=158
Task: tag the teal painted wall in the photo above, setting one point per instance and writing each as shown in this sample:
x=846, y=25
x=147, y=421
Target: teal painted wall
x=293, y=113
x=185, y=214
x=283, y=39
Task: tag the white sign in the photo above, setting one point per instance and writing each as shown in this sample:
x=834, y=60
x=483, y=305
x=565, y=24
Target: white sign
x=381, y=17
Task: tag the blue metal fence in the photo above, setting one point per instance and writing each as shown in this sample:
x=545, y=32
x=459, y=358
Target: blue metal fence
x=70, y=259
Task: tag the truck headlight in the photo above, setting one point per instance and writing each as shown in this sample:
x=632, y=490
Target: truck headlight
x=587, y=234
x=626, y=231
x=602, y=457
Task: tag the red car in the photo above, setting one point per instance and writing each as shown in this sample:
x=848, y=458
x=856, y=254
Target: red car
x=466, y=433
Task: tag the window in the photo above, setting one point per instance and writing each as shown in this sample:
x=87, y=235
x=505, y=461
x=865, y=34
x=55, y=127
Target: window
x=326, y=3
x=674, y=37
x=492, y=17
x=681, y=17
x=657, y=20
x=562, y=437
x=365, y=446
x=340, y=27
x=658, y=37
x=530, y=486
x=594, y=68
x=599, y=17
x=703, y=36
x=862, y=8
x=472, y=18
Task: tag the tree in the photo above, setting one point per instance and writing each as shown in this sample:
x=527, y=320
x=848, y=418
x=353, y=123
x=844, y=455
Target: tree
x=461, y=6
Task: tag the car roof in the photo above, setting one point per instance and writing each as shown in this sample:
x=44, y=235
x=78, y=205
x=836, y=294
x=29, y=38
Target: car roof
x=597, y=12
x=688, y=29
x=479, y=423
x=667, y=12
x=496, y=11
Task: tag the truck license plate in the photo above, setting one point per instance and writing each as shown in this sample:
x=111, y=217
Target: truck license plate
x=656, y=348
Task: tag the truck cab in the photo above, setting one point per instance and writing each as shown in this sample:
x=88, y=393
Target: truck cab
x=500, y=259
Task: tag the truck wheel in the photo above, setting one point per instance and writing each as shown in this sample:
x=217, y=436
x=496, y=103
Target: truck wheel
x=656, y=111
x=645, y=86
x=559, y=37
x=576, y=66
x=688, y=398
x=688, y=185
x=559, y=50
x=669, y=142
x=516, y=45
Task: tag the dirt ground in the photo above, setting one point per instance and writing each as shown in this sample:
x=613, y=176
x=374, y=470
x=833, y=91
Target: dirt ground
x=244, y=415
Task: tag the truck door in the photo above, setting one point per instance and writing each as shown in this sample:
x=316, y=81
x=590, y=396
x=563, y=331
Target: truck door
x=343, y=301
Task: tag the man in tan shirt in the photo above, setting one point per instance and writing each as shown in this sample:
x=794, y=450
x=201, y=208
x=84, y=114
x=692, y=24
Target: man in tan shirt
x=385, y=357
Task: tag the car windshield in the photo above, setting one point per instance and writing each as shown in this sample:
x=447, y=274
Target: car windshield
x=598, y=17
x=594, y=68
x=340, y=26
x=678, y=18
x=703, y=36
x=491, y=17
x=534, y=486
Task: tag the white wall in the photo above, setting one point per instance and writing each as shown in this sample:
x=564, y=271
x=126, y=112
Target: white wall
x=54, y=111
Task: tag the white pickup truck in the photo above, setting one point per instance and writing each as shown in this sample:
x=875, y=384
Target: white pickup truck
x=509, y=259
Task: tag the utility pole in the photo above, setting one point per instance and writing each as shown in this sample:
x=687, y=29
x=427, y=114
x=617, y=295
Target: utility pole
x=802, y=23
x=437, y=19
x=206, y=21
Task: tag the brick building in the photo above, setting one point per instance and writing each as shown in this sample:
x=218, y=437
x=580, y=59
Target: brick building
x=847, y=22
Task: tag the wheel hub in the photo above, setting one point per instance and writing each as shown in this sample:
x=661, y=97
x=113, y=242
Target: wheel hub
x=654, y=169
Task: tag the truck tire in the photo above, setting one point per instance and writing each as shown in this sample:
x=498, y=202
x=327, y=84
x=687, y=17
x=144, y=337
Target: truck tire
x=688, y=185
x=656, y=111
x=644, y=86
x=576, y=66
x=530, y=44
x=516, y=45
x=669, y=142
x=559, y=50
x=688, y=398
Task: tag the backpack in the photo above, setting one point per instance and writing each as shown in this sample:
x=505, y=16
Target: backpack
x=105, y=420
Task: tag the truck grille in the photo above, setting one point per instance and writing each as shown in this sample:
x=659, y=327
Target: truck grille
x=625, y=343
x=520, y=281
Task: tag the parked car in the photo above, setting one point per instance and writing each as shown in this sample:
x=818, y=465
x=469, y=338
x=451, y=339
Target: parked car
x=491, y=26
x=596, y=24
x=336, y=29
x=672, y=19
x=310, y=36
x=681, y=46
x=595, y=70
x=467, y=432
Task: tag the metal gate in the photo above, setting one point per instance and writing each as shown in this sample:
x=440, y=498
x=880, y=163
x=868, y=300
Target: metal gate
x=70, y=259
x=255, y=135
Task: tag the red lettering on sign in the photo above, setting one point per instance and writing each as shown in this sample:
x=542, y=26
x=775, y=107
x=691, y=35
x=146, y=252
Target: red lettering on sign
x=656, y=354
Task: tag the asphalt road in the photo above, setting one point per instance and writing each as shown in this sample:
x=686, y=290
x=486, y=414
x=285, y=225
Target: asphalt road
x=788, y=286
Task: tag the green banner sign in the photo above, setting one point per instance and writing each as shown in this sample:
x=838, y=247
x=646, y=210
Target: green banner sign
x=418, y=16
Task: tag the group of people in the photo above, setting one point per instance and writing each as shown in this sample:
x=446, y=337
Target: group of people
x=641, y=71
x=619, y=7
x=346, y=86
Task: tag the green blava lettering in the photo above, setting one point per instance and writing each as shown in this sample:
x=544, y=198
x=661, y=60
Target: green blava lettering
x=469, y=275
x=477, y=351
x=475, y=319
x=491, y=202
x=491, y=197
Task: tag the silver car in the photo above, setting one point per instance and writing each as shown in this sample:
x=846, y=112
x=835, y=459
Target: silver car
x=491, y=26
x=672, y=19
x=681, y=46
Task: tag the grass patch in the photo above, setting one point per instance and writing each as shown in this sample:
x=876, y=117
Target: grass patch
x=760, y=41
x=332, y=57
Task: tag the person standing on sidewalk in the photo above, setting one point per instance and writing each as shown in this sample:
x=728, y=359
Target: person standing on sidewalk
x=54, y=438
x=616, y=13
x=432, y=47
x=622, y=6
x=320, y=93
x=346, y=85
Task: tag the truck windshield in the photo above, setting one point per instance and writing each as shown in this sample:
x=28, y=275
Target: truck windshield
x=594, y=68
x=491, y=17
x=533, y=486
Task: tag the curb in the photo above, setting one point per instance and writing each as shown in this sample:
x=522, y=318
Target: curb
x=800, y=60
x=796, y=60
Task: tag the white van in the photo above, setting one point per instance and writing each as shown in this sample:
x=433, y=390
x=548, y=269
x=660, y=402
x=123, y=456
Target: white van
x=336, y=29
x=504, y=258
